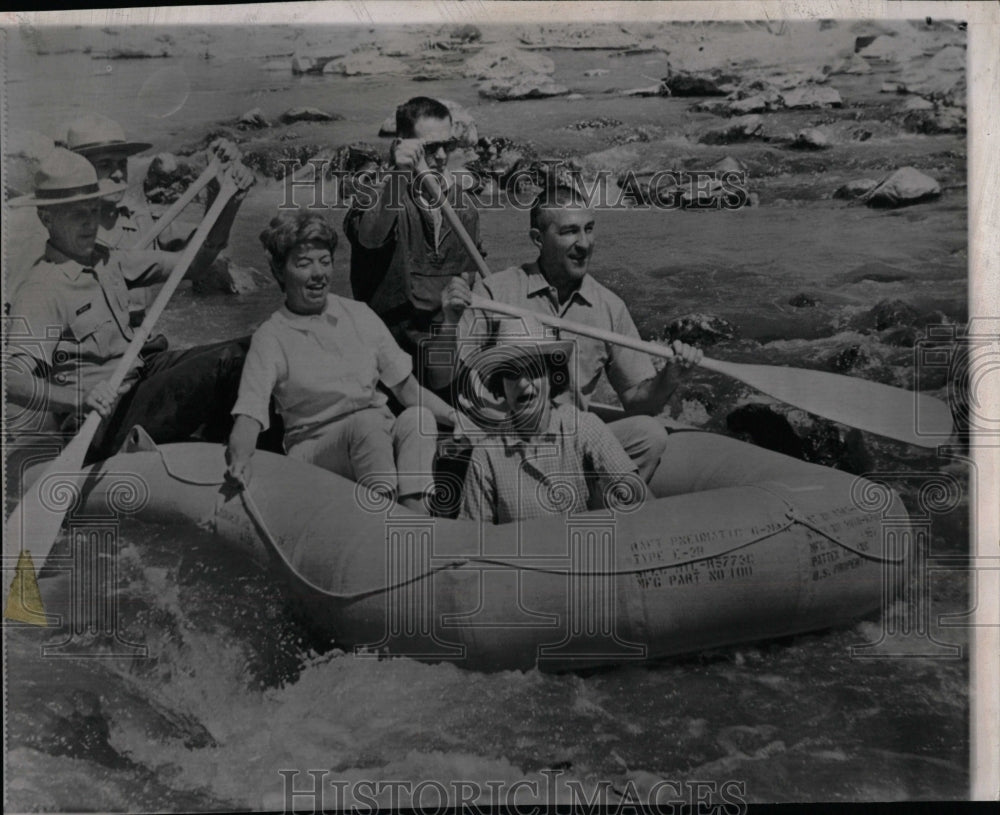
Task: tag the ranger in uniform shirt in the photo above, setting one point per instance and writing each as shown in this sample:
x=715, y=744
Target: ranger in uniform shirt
x=73, y=326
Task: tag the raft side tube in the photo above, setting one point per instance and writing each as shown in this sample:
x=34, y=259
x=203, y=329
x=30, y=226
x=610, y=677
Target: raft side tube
x=734, y=562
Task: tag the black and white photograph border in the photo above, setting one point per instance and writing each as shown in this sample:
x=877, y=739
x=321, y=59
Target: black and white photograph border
x=798, y=601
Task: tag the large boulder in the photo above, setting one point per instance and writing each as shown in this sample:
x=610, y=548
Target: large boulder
x=366, y=63
x=463, y=126
x=904, y=187
x=535, y=86
x=505, y=62
x=742, y=128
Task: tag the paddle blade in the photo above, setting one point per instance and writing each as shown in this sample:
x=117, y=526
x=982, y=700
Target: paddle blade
x=907, y=416
x=24, y=603
x=34, y=524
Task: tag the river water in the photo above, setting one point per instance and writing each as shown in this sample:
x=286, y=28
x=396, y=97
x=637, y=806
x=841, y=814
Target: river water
x=232, y=689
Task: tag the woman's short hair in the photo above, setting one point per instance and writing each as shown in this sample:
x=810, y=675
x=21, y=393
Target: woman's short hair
x=291, y=228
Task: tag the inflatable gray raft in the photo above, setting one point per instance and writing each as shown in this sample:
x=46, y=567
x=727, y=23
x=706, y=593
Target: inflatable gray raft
x=740, y=544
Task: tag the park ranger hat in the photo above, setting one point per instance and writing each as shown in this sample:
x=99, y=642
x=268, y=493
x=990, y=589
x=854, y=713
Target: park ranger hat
x=64, y=177
x=95, y=133
x=520, y=343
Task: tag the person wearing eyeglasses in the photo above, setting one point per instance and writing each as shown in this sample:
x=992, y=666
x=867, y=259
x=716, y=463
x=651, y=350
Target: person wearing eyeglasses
x=403, y=253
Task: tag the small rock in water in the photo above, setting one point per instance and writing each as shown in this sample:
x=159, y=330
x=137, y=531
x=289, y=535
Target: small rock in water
x=904, y=187
x=853, y=64
x=917, y=103
x=277, y=160
x=888, y=313
x=505, y=62
x=811, y=96
x=648, y=90
x=860, y=43
x=466, y=33
x=228, y=278
x=253, y=120
x=757, y=103
x=856, y=188
x=811, y=138
x=892, y=87
x=535, y=86
x=594, y=124
x=701, y=329
x=742, y=128
x=729, y=164
x=168, y=177
x=302, y=64
x=934, y=119
x=306, y=114
x=699, y=83
x=366, y=63
x=24, y=150
x=802, y=301
x=848, y=359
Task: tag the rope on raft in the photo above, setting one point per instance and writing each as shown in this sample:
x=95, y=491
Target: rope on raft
x=792, y=517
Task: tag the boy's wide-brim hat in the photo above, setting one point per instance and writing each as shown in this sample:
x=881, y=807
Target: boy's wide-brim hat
x=95, y=133
x=520, y=343
x=64, y=177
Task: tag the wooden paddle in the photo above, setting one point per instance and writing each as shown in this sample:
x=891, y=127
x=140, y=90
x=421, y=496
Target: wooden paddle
x=33, y=526
x=202, y=181
x=860, y=403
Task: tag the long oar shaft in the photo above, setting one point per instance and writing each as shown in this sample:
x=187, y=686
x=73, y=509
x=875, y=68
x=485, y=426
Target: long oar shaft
x=211, y=171
x=36, y=525
x=914, y=418
x=577, y=328
x=173, y=281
